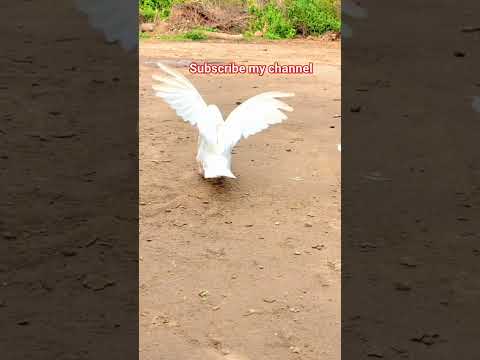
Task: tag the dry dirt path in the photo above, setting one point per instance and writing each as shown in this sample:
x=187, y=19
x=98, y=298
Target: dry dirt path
x=249, y=269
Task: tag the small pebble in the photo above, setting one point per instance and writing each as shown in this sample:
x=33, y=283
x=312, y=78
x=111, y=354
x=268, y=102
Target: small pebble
x=407, y=261
x=295, y=349
x=69, y=253
x=402, y=286
x=8, y=235
x=203, y=293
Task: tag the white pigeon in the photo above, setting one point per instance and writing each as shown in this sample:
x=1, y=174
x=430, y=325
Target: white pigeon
x=216, y=136
x=117, y=19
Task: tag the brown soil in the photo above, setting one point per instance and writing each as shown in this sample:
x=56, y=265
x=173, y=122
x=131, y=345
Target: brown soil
x=247, y=269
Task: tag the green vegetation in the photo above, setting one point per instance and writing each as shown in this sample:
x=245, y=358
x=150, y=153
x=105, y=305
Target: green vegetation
x=272, y=20
x=276, y=19
x=150, y=10
x=195, y=34
x=313, y=17
x=192, y=35
x=144, y=35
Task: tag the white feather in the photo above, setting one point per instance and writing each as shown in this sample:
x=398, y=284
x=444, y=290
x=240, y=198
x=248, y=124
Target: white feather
x=254, y=115
x=182, y=97
x=216, y=136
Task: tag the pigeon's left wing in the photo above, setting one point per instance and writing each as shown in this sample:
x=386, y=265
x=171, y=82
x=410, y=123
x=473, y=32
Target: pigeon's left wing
x=117, y=19
x=255, y=115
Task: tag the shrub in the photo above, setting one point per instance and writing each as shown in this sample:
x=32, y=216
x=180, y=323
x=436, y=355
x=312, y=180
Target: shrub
x=195, y=35
x=277, y=19
x=151, y=9
x=272, y=20
x=313, y=17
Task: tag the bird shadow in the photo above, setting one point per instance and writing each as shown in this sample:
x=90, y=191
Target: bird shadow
x=220, y=186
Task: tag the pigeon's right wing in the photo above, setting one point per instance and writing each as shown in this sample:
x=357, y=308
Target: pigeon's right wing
x=254, y=115
x=182, y=97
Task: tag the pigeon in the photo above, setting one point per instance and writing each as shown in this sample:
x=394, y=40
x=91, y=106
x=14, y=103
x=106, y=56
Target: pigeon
x=117, y=20
x=217, y=137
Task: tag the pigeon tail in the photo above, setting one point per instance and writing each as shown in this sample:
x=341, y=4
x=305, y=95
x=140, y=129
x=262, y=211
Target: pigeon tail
x=216, y=166
x=211, y=174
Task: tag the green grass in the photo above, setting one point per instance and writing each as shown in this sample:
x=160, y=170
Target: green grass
x=150, y=10
x=272, y=20
x=195, y=34
x=313, y=17
x=188, y=36
x=305, y=17
x=276, y=20
x=144, y=35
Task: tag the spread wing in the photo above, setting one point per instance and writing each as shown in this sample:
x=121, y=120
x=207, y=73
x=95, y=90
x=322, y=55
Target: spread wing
x=115, y=18
x=255, y=115
x=181, y=95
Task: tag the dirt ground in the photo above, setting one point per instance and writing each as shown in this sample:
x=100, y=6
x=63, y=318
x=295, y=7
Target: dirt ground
x=248, y=269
